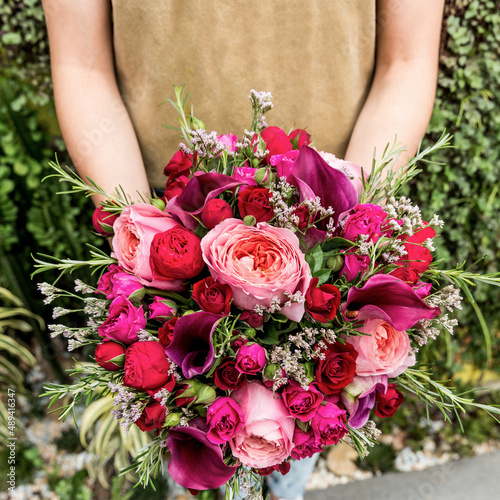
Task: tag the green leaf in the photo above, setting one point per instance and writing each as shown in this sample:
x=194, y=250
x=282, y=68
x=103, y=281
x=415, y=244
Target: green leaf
x=336, y=244
x=323, y=275
x=314, y=258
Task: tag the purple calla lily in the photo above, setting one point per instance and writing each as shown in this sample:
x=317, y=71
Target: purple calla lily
x=387, y=298
x=359, y=398
x=189, y=448
x=314, y=177
x=191, y=346
x=200, y=189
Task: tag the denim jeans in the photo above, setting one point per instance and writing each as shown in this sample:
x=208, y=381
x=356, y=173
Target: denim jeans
x=293, y=484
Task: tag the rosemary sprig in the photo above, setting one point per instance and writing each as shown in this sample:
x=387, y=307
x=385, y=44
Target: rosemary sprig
x=435, y=395
x=376, y=188
x=98, y=261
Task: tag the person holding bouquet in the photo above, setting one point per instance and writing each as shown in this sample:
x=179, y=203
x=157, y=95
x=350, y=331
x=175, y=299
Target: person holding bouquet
x=357, y=73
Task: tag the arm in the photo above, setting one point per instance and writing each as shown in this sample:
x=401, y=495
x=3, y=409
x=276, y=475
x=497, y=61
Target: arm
x=94, y=121
x=402, y=94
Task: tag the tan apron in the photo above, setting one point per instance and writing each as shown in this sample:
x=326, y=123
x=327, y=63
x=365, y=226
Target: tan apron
x=316, y=57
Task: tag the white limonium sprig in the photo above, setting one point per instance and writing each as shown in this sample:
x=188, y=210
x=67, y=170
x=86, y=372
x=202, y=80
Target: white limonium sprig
x=207, y=145
x=262, y=102
x=145, y=336
x=81, y=287
x=449, y=298
x=127, y=410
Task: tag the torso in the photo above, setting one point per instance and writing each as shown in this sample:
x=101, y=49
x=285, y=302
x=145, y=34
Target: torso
x=316, y=57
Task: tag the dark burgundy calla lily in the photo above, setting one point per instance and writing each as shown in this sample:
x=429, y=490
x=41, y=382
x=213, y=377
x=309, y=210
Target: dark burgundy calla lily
x=200, y=189
x=387, y=298
x=316, y=178
x=191, y=346
x=189, y=448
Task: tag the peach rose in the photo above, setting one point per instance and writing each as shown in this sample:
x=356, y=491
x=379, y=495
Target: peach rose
x=266, y=437
x=259, y=263
x=383, y=350
x=134, y=231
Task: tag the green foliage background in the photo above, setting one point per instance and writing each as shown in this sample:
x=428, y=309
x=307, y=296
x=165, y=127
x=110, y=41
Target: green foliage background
x=464, y=190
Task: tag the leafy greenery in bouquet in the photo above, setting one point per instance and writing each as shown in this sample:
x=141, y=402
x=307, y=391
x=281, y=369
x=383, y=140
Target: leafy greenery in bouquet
x=262, y=308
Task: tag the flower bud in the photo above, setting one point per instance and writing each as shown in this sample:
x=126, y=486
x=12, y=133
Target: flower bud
x=206, y=394
x=103, y=221
x=335, y=263
x=110, y=355
x=270, y=370
x=215, y=211
x=196, y=123
x=172, y=420
x=261, y=175
x=158, y=203
x=250, y=220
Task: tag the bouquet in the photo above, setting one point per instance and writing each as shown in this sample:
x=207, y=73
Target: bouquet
x=264, y=307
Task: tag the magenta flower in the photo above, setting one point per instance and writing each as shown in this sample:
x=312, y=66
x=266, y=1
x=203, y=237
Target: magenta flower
x=124, y=321
x=251, y=359
x=202, y=188
x=387, y=298
x=224, y=419
x=190, y=447
x=314, y=177
x=191, y=346
x=329, y=424
x=117, y=282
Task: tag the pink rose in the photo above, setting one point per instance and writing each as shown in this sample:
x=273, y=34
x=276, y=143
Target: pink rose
x=245, y=175
x=229, y=140
x=134, y=232
x=117, y=282
x=266, y=437
x=284, y=162
x=329, y=424
x=223, y=419
x=354, y=264
x=367, y=219
x=383, y=351
x=162, y=308
x=301, y=403
x=259, y=263
x=123, y=322
x=251, y=359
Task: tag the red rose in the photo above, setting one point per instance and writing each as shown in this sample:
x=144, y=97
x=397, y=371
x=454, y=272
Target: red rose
x=169, y=386
x=184, y=401
x=146, y=366
x=322, y=302
x=227, y=377
x=299, y=137
x=152, y=417
x=213, y=297
x=277, y=142
x=254, y=200
x=337, y=369
x=283, y=467
x=110, y=355
x=103, y=221
x=417, y=259
x=175, y=188
x=176, y=254
x=180, y=163
x=387, y=404
x=166, y=332
x=215, y=211
x=304, y=216
x=252, y=318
